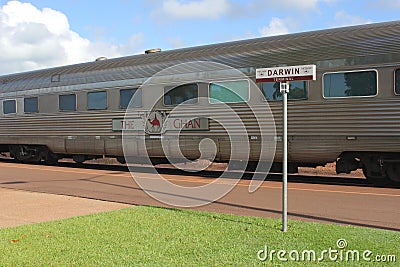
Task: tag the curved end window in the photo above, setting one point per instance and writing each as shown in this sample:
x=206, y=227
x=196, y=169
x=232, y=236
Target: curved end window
x=397, y=82
x=229, y=92
x=298, y=90
x=348, y=84
x=187, y=93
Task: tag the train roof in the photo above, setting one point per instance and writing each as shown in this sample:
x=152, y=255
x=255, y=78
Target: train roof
x=370, y=43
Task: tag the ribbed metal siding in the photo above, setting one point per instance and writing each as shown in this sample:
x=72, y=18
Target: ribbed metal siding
x=317, y=132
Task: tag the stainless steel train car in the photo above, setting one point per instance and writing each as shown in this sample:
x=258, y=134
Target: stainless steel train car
x=350, y=115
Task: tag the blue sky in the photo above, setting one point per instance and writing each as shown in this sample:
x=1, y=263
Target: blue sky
x=42, y=33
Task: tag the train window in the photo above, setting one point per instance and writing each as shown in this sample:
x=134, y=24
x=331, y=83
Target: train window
x=397, y=82
x=97, y=100
x=187, y=93
x=67, y=102
x=298, y=90
x=348, y=84
x=125, y=96
x=31, y=105
x=229, y=92
x=9, y=106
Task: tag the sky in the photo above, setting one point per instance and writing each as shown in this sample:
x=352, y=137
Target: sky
x=39, y=34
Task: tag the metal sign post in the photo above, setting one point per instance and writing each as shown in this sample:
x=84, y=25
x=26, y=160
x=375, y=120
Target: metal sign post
x=284, y=88
x=284, y=75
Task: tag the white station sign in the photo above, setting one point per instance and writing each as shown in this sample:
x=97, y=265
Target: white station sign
x=287, y=74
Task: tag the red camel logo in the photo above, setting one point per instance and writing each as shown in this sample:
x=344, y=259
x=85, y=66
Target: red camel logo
x=154, y=122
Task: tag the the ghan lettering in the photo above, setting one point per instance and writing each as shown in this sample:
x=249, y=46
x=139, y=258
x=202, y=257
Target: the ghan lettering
x=187, y=124
x=127, y=125
x=134, y=124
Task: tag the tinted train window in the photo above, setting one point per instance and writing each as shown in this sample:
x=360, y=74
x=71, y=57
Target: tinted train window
x=97, y=100
x=362, y=83
x=397, y=82
x=187, y=93
x=9, y=106
x=298, y=90
x=229, y=92
x=67, y=102
x=125, y=96
x=31, y=105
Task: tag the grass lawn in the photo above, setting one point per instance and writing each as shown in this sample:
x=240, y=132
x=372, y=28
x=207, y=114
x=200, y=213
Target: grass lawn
x=169, y=237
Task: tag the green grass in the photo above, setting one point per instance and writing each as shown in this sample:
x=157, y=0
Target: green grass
x=167, y=237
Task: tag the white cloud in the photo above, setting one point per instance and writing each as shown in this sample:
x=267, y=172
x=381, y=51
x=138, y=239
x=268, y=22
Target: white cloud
x=276, y=27
x=176, y=42
x=342, y=18
x=215, y=9
x=303, y=4
x=31, y=39
x=385, y=4
x=211, y=9
x=283, y=5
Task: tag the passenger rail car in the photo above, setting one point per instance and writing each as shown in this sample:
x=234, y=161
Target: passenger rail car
x=350, y=115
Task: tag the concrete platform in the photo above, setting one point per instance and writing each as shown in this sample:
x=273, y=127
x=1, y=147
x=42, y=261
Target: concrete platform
x=19, y=207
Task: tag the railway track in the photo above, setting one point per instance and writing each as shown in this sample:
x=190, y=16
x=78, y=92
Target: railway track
x=276, y=177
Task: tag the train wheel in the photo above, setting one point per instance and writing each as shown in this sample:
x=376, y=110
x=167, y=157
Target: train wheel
x=51, y=158
x=374, y=177
x=393, y=172
x=24, y=153
x=121, y=160
x=79, y=158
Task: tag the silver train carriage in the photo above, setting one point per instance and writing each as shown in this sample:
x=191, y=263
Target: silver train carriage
x=350, y=115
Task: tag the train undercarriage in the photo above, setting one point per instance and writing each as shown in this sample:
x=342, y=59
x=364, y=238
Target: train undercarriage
x=32, y=153
x=379, y=168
